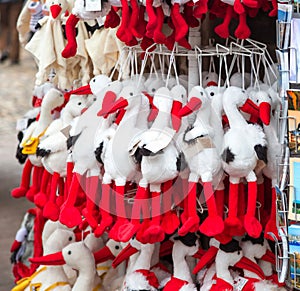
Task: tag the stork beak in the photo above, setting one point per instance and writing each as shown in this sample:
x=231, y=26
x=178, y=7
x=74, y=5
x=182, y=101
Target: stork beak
x=193, y=105
x=250, y=107
x=121, y=103
x=84, y=90
x=55, y=10
x=206, y=259
x=247, y=264
x=166, y=248
x=211, y=83
x=265, y=112
x=269, y=257
x=154, y=110
x=84, y=110
x=176, y=120
x=128, y=251
x=108, y=99
x=103, y=255
x=49, y=260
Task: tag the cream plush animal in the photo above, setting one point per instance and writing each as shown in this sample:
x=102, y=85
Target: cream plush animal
x=31, y=139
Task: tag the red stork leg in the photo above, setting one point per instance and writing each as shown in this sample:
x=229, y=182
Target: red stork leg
x=242, y=31
x=41, y=198
x=51, y=209
x=70, y=215
x=104, y=207
x=36, y=183
x=190, y=209
x=271, y=224
x=71, y=47
x=222, y=29
x=25, y=181
x=251, y=224
x=213, y=224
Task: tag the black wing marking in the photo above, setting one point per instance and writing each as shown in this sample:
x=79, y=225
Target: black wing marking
x=42, y=152
x=188, y=240
x=72, y=140
x=98, y=153
x=261, y=152
x=227, y=156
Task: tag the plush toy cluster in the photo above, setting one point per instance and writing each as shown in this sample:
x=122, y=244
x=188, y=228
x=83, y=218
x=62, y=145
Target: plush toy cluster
x=139, y=169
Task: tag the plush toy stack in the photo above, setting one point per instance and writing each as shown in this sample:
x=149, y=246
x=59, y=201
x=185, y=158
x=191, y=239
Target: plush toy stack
x=133, y=171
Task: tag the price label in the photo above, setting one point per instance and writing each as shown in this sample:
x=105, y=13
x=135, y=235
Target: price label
x=93, y=5
x=239, y=283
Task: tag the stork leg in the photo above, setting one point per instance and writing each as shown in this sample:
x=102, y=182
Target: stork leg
x=120, y=212
x=128, y=230
x=41, y=198
x=91, y=196
x=61, y=192
x=25, y=181
x=155, y=233
x=251, y=224
x=271, y=224
x=70, y=215
x=170, y=220
x=213, y=224
x=190, y=211
x=36, y=183
x=233, y=225
x=51, y=210
x=104, y=207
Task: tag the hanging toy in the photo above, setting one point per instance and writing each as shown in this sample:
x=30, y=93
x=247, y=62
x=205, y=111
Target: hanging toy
x=239, y=160
x=205, y=164
x=29, y=144
x=53, y=150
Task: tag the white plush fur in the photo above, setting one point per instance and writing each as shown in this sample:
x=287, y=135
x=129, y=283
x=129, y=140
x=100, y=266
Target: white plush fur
x=136, y=281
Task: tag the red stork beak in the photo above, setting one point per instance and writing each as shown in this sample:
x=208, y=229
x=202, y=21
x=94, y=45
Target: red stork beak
x=84, y=90
x=176, y=118
x=49, y=260
x=121, y=103
x=166, y=248
x=265, y=112
x=199, y=254
x=128, y=251
x=211, y=83
x=247, y=264
x=269, y=257
x=154, y=110
x=103, y=255
x=55, y=10
x=84, y=110
x=251, y=108
x=79, y=236
x=108, y=99
x=193, y=105
x=206, y=259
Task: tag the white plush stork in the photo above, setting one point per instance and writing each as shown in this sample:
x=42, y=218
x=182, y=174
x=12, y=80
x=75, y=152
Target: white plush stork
x=53, y=98
x=244, y=144
x=204, y=164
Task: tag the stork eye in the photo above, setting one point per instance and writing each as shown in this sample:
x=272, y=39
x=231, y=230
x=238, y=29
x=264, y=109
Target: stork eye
x=206, y=77
x=257, y=100
x=201, y=93
x=69, y=252
x=61, y=95
x=182, y=96
x=212, y=93
x=131, y=94
x=79, y=103
x=95, y=99
x=153, y=90
x=70, y=238
x=59, y=4
x=94, y=80
x=117, y=247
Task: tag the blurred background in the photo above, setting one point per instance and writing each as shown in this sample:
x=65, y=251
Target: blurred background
x=16, y=85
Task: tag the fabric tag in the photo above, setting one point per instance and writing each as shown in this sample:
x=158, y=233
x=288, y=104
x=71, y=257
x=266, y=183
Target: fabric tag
x=239, y=283
x=199, y=145
x=66, y=131
x=93, y=5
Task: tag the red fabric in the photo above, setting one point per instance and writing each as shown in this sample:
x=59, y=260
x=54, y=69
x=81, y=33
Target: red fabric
x=175, y=284
x=221, y=285
x=150, y=277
